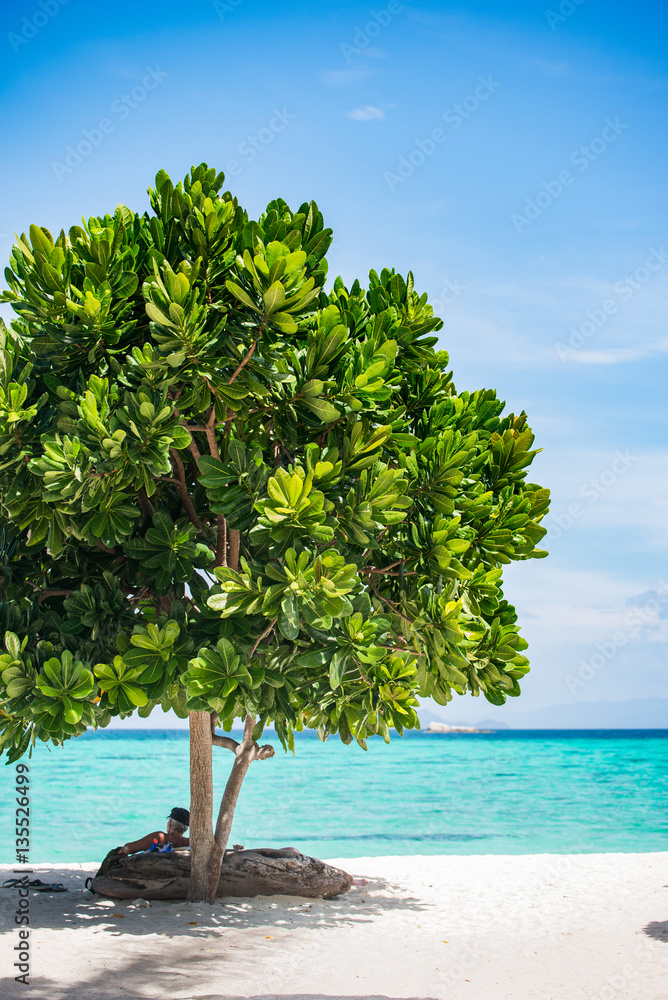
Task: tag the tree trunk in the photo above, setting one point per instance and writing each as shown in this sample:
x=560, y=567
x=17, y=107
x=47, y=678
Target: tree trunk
x=234, y=541
x=242, y=761
x=207, y=850
x=205, y=853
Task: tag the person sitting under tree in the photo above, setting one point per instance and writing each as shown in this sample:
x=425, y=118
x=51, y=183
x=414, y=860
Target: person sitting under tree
x=177, y=824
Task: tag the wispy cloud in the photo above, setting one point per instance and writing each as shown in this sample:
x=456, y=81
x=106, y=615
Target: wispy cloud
x=367, y=113
x=618, y=355
x=344, y=77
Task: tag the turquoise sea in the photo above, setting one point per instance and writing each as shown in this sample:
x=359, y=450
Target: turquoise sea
x=498, y=793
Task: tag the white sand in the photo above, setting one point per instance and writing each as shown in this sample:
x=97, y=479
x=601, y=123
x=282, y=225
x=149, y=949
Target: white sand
x=538, y=927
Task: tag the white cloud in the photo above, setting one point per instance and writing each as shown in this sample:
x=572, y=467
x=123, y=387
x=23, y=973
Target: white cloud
x=547, y=324
x=367, y=113
x=572, y=613
x=342, y=77
x=617, y=355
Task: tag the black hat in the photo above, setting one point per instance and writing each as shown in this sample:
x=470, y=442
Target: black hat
x=180, y=815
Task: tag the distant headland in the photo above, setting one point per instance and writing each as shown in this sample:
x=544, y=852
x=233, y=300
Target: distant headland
x=443, y=727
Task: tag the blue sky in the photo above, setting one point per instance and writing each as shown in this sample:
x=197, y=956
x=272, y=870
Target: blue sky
x=511, y=156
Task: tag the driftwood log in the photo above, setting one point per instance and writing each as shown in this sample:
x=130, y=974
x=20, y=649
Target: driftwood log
x=262, y=872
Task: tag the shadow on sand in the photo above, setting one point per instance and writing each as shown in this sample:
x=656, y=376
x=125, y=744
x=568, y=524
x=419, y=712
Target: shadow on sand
x=79, y=907
x=657, y=929
x=181, y=950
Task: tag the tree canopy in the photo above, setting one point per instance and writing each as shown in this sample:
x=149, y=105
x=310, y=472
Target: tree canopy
x=226, y=489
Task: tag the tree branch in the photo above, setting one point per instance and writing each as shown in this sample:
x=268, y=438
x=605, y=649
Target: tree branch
x=53, y=593
x=143, y=502
x=228, y=423
x=249, y=726
x=194, y=450
x=192, y=446
x=388, y=602
x=235, y=544
x=210, y=431
x=221, y=542
x=242, y=364
x=383, y=569
x=163, y=603
x=186, y=499
x=258, y=641
x=225, y=741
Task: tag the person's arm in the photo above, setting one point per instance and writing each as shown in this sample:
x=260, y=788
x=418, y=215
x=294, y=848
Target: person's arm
x=144, y=843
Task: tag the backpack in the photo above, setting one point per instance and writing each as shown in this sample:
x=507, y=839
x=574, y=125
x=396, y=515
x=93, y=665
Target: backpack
x=112, y=859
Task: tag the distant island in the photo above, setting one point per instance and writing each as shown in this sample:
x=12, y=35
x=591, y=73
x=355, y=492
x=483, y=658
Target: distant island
x=443, y=727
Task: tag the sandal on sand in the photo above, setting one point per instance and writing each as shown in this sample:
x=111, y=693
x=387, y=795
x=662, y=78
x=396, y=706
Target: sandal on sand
x=36, y=884
x=20, y=883
x=47, y=886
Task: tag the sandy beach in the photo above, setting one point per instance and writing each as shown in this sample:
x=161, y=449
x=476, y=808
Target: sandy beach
x=535, y=927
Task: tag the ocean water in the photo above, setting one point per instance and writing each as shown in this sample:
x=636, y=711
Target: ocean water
x=497, y=793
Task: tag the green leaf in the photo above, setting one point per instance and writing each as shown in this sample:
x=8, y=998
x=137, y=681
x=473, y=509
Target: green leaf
x=323, y=410
x=127, y=284
x=274, y=298
x=284, y=322
x=242, y=295
x=337, y=666
x=288, y=618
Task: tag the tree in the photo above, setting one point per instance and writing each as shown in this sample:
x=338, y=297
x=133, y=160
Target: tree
x=229, y=492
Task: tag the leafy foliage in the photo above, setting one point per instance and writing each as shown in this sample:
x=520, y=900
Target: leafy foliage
x=226, y=489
